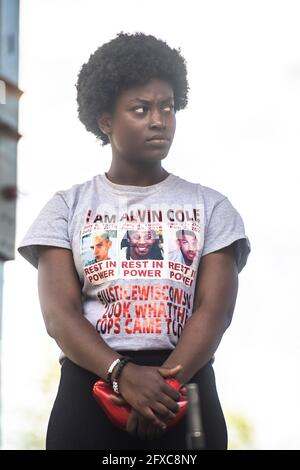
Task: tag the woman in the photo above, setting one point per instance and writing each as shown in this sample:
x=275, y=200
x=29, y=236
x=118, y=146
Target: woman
x=128, y=94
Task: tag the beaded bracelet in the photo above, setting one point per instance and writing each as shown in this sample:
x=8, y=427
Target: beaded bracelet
x=122, y=363
x=110, y=370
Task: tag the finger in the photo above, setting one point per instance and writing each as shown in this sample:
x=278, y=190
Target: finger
x=163, y=412
x=131, y=427
x=169, y=372
x=170, y=392
x=155, y=420
x=142, y=428
x=119, y=401
x=152, y=432
x=168, y=402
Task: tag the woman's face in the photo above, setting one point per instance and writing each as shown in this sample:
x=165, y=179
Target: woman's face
x=142, y=127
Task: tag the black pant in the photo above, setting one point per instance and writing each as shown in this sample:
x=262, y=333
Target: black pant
x=77, y=422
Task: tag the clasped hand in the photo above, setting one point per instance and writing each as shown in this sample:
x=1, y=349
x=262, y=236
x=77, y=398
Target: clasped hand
x=153, y=401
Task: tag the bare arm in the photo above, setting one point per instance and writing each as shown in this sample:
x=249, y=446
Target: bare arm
x=215, y=297
x=60, y=299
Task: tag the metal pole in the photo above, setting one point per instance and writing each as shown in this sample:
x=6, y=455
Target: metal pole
x=195, y=438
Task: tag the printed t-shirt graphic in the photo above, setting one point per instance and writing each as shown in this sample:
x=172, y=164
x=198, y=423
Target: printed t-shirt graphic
x=134, y=248
x=136, y=251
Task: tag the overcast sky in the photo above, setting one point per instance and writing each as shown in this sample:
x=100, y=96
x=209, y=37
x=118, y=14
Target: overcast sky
x=240, y=135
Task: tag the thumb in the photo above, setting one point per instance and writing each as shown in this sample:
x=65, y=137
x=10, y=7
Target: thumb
x=169, y=372
x=119, y=401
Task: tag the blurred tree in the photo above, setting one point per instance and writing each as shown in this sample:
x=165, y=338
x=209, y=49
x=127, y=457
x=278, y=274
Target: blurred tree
x=240, y=431
x=33, y=437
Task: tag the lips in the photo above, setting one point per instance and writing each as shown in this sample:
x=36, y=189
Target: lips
x=158, y=143
x=157, y=138
x=142, y=248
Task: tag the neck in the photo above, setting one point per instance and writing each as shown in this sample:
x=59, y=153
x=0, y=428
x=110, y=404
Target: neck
x=132, y=174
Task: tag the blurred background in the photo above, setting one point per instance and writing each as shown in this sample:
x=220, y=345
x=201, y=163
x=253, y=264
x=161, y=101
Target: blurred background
x=240, y=135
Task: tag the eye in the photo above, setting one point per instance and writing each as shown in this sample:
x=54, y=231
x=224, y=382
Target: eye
x=169, y=108
x=140, y=109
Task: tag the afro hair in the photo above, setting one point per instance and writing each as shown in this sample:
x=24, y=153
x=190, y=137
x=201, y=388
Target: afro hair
x=125, y=61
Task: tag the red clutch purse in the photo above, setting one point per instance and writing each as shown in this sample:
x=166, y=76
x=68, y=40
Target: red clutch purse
x=119, y=414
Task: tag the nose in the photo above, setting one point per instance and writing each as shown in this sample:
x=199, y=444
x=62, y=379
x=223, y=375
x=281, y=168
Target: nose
x=157, y=120
x=192, y=246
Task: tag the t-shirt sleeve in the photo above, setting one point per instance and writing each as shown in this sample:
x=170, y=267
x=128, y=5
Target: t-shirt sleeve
x=49, y=228
x=226, y=226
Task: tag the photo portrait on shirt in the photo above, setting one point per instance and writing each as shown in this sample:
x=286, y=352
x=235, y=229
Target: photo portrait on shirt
x=98, y=245
x=187, y=248
x=142, y=244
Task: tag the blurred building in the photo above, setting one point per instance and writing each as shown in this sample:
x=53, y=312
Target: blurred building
x=9, y=136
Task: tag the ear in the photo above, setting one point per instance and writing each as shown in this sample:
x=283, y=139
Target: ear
x=105, y=123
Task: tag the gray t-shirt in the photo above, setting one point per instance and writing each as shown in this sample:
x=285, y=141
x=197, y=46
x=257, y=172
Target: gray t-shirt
x=123, y=239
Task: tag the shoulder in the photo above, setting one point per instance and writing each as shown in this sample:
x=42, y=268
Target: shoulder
x=208, y=193
x=76, y=191
x=211, y=196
